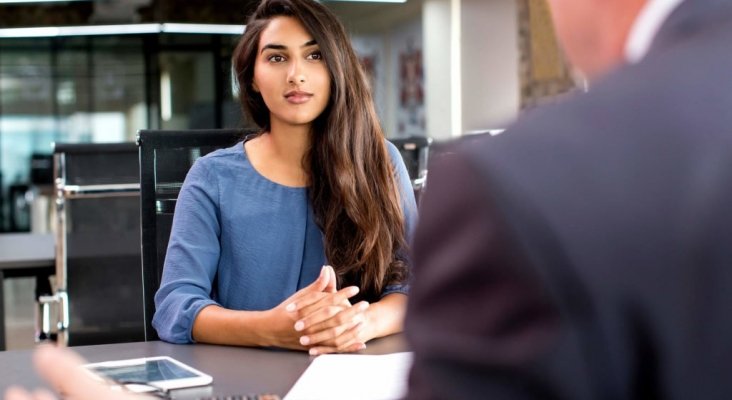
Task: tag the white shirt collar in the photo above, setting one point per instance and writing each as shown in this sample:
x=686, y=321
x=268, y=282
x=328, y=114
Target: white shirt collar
x=646, y=26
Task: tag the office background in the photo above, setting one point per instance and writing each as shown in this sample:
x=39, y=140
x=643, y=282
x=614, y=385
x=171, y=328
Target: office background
x=439, y=68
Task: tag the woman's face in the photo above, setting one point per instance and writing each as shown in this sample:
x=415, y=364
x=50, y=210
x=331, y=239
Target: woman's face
x=290, y=73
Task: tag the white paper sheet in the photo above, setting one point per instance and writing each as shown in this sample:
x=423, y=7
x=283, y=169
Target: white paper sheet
x=354, y=376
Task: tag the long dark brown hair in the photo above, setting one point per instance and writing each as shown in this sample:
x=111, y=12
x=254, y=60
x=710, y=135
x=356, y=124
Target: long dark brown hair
x=352, y=185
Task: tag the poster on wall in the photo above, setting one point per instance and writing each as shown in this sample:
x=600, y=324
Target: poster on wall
x=411, y=92
x=545, y=73
x=410, y=118
x=370, y=52
x=394, y=63
x=369, y=62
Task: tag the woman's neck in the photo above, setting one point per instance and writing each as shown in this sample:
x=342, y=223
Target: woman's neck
x=278, y=154
x=288, y=143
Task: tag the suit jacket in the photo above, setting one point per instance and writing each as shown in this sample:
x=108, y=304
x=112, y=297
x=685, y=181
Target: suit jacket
x=586, y=253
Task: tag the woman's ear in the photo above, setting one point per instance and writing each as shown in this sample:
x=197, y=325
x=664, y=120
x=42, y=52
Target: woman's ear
x=255, y=87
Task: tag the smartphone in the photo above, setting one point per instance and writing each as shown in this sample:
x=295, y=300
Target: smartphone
x=150, y=374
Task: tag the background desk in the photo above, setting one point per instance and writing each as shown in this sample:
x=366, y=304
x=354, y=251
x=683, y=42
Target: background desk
x=25, y=255
x=235, y=370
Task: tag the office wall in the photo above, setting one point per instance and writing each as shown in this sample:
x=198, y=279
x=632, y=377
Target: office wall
x=407, y=72
x=439, y=66
x=490, y=56
x=471, y=65
x=372, y=50
x=482, y=61
x=394, y=59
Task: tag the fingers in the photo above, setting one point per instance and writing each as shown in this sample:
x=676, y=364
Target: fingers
x=349, y=341
x=335, y=337
x=58, y=366
x=17, y=393
x=331, y=317
x=319, y=350
x=41, y=394
x=62, y=369
x=339, y=336
x=310, y=304
x=319, y=285
x=332, y=286
x=322, y=282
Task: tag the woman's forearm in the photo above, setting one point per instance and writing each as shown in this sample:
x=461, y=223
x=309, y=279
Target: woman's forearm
x=217, y=325
x=386, y=316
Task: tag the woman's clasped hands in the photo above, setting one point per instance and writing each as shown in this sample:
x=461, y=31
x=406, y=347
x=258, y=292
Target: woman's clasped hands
x=321, y=318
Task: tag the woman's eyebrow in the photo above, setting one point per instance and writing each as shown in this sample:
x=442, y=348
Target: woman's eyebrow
x=276, y=46
x=273, y=46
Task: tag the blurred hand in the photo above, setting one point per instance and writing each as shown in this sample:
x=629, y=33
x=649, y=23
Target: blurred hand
x=61, y=368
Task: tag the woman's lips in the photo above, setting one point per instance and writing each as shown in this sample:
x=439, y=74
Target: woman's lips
x=298, y=97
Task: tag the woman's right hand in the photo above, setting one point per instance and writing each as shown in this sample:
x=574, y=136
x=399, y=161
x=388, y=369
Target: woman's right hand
x=279, y=329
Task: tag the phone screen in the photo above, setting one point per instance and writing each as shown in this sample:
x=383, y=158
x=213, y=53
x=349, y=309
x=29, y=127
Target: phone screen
x=150, y=371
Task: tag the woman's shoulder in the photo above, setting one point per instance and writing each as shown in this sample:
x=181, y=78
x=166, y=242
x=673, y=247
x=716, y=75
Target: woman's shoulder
x=220, y=163
x=392, y=150
x=224, y=157
x=224, y=154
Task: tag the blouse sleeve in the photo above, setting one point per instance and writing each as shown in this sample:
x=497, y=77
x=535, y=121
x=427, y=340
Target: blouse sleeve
x=192, y=258
x=409, y=207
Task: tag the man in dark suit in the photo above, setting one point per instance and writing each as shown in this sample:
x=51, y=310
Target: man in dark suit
x=586, y=253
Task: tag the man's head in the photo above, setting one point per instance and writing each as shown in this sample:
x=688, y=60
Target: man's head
x=593, y=32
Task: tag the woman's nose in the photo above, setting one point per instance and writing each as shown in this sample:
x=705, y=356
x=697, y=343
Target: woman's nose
x=296, y=75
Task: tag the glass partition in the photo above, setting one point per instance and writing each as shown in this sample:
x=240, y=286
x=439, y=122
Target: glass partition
x=100, y=89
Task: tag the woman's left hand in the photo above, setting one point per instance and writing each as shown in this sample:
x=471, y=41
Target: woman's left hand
x=335, y=329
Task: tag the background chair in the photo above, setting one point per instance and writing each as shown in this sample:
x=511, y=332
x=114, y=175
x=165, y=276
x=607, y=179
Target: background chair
x=165, y=158
x=415, y=152
x=98, y=288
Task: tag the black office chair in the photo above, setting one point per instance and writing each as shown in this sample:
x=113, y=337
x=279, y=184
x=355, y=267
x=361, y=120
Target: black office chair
x=98, y=288
x=165, y=158
x=415, y=153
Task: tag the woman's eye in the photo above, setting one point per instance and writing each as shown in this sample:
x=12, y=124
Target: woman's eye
x=276, y=58
x=315, y=56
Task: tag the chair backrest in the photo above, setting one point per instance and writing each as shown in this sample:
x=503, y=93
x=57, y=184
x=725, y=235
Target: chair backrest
x=415, y=153
x=165, y=158
x=98, y=277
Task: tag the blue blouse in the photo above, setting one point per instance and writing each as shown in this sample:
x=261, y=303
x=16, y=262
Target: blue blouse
x=243, y=242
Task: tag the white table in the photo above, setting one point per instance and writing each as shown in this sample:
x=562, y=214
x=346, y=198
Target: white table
x=24, y=255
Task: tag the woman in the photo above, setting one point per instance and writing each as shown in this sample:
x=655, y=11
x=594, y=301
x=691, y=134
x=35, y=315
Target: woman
x=255, y=223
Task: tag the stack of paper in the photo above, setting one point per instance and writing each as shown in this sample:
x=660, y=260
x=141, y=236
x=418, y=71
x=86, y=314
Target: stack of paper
x=354, y=376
